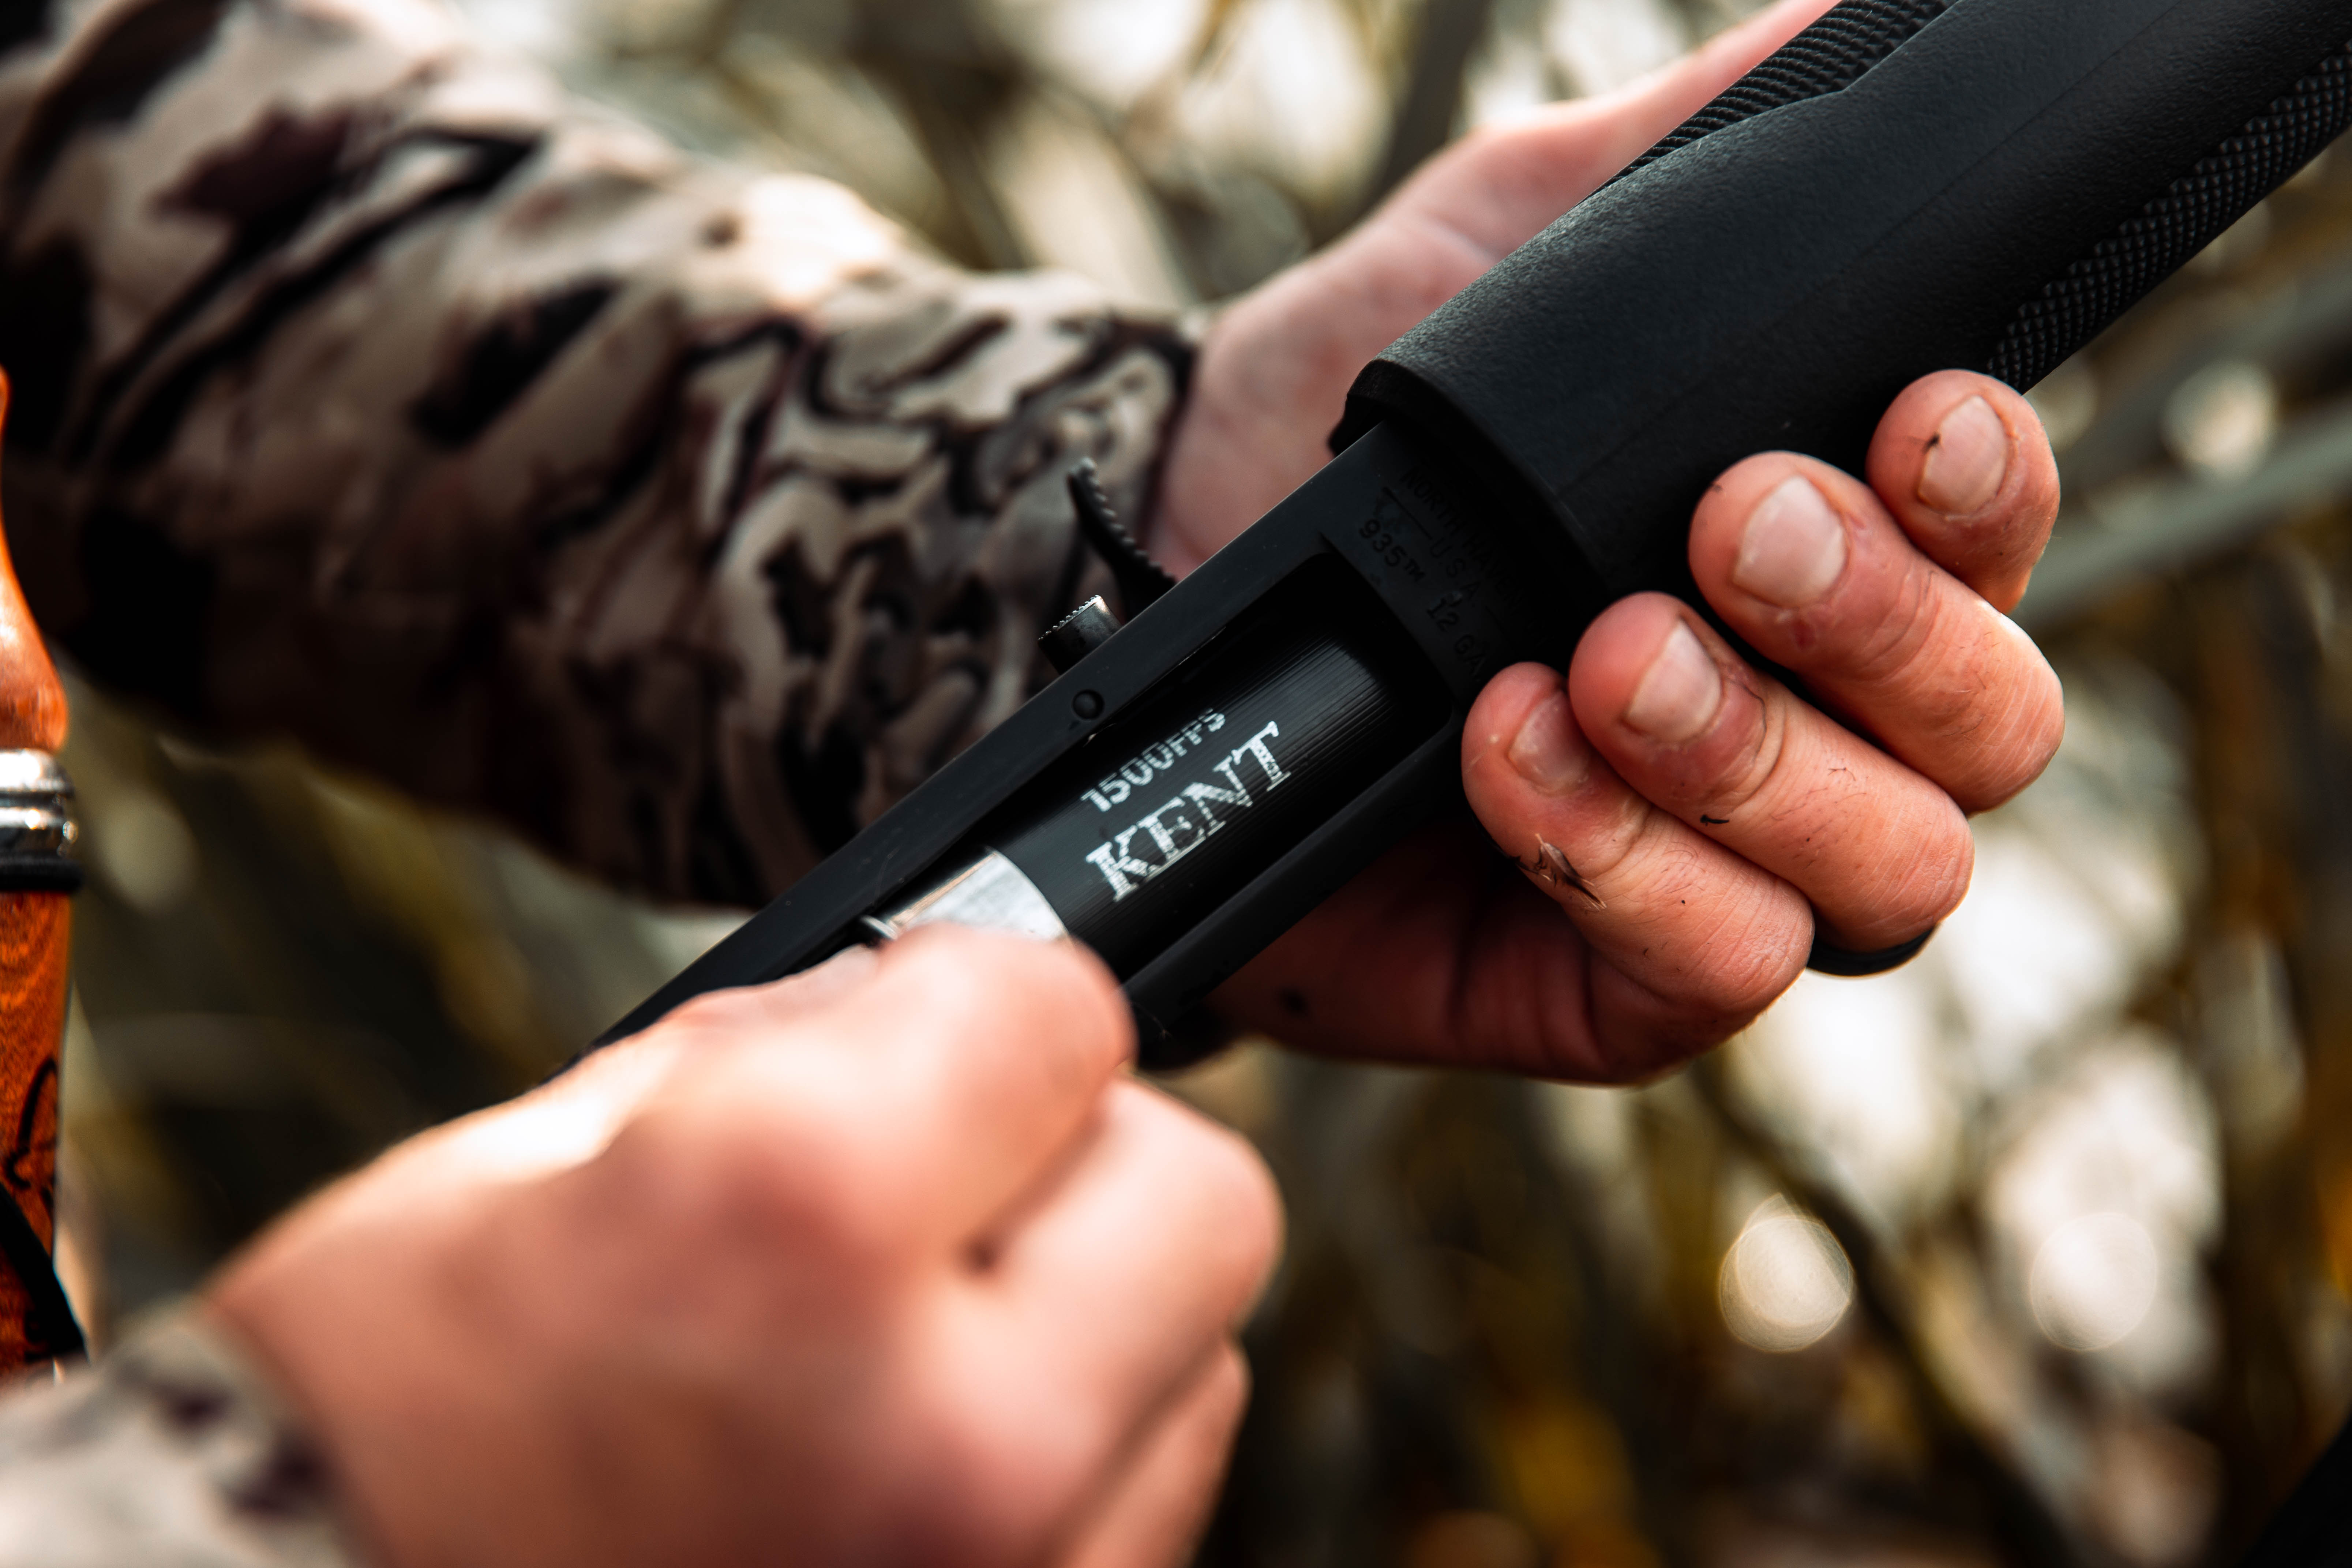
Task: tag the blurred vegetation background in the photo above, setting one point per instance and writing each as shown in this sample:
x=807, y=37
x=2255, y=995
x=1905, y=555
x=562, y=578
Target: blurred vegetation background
x=2036, y=1252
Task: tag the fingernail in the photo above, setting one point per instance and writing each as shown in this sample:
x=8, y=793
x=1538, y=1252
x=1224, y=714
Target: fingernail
x=1679, y=692
x=1793, y=547
x=1967, y=460
x=1549, y=751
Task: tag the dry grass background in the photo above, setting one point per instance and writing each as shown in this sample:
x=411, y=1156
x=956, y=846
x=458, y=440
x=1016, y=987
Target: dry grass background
x=2037, y=1252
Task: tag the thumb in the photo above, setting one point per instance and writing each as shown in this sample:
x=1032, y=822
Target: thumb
x=1497, y=188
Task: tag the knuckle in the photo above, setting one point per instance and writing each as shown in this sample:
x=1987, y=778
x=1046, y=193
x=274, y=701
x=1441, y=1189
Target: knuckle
x=1900, y=634
x=999, y=1490
x=1712, y=963
x=1201, y=1431
x=1224, y=1197
x=734, y=1178
x=1219, y=1173
x=1202, y=1428
x=1756, y=948
x=1966, y=695
x=1745, y=970
x=1926, y=878
x=1614, y=835
x=2025, y=734
x=1241, y=1181
x=1248, y=1207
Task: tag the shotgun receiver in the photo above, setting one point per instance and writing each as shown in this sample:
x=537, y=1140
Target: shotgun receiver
x=1909, y=185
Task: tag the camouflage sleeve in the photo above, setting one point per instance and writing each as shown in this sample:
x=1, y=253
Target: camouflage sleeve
x=173, y=1453
x=369, y=389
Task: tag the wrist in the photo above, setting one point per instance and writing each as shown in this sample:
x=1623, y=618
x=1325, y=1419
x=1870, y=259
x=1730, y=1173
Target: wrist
x=1268, y=386
x=397, y=1384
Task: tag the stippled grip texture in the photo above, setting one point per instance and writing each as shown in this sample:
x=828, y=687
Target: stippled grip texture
x=1913, y=187
x=2190, y=215
x=1827, y=57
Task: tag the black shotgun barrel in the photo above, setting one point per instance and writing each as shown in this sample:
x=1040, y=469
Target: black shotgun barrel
x=1910, y=185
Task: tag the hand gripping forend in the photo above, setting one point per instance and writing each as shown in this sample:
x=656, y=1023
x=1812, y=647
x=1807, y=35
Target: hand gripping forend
x=1911, y=185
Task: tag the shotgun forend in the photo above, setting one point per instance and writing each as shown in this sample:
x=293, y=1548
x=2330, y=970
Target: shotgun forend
x=1910, y=185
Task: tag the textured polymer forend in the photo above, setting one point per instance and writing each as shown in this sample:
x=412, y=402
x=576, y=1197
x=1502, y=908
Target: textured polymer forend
x=2191, y=215
x=1827, y=57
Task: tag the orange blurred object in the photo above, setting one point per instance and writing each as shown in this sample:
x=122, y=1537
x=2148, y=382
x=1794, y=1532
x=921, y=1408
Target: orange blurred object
x=35, y=926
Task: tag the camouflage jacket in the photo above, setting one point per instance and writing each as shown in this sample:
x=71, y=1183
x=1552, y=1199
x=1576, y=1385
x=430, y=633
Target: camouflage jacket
x=368, y=389
x=175, y=1453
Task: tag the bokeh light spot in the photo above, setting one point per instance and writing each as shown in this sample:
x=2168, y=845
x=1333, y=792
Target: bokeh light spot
x=1785, y=1282
x=2093, y=1281
x=2223, y=420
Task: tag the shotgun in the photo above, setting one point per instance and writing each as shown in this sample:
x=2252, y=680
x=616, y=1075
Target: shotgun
x=1908, y=186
